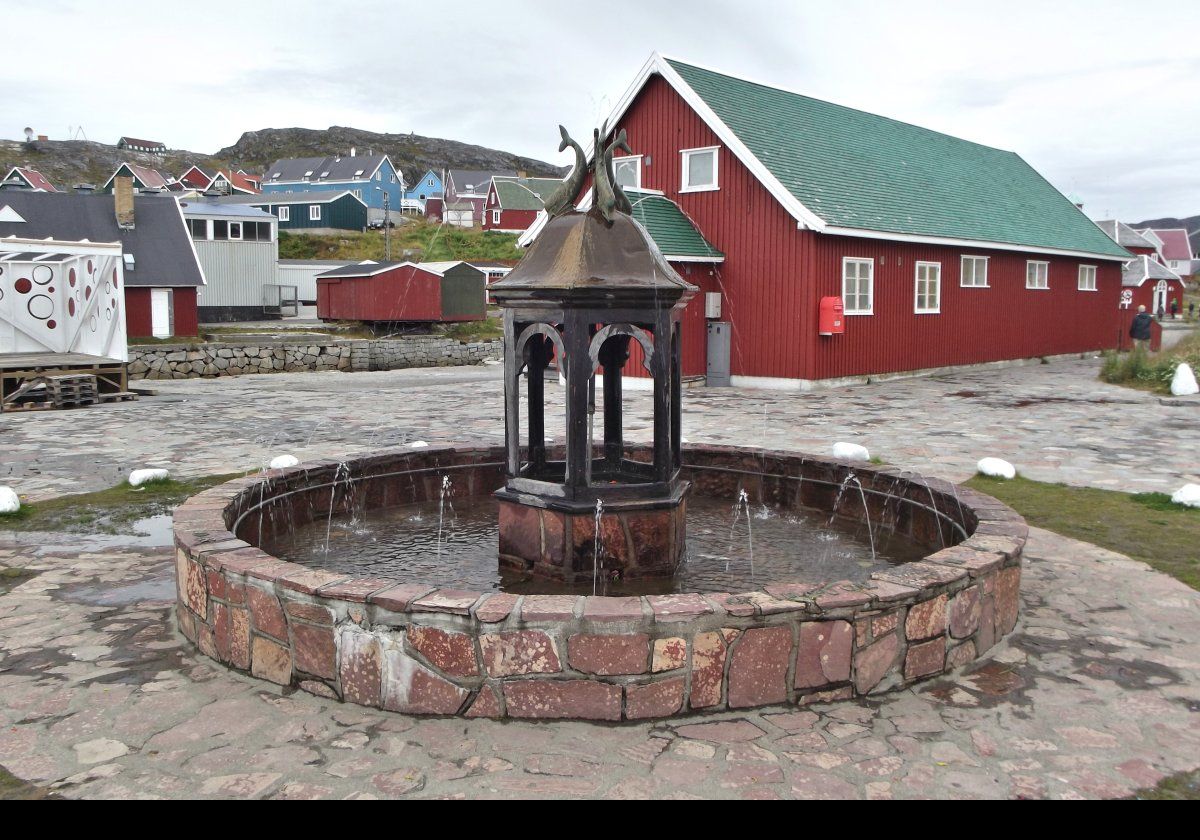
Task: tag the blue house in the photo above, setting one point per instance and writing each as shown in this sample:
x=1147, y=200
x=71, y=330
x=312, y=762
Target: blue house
x=426, y=187
x=369, y=177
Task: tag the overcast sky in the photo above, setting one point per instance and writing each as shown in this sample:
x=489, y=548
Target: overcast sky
x=1099, y=96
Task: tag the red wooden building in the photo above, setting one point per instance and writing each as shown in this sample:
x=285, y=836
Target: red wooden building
x=1146, y=280
x=944, y=252
x=513, y=203
x=402, y=292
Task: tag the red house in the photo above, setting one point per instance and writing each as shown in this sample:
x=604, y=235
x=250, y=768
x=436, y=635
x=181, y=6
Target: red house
x=402, y=292
x=942, y=251
x=1145, y=280
x=513, y=203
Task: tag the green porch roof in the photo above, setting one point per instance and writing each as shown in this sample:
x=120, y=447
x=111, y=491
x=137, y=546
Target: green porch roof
x=525, y=193
x=671, y=230
x=858, y=170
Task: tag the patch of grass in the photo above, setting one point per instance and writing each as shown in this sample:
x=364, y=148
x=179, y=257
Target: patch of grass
x=13, y=788
x=1150, y=371
x=416, y=240
x=1181, y=786
x=1146, y=526
x=875, y=459
x=485, y=330
x=111, y=511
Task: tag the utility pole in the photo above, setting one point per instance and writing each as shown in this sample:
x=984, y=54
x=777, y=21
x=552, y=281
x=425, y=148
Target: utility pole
x=387, y=225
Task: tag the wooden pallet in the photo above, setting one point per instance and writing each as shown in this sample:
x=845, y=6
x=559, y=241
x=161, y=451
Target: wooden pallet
x=25, y=381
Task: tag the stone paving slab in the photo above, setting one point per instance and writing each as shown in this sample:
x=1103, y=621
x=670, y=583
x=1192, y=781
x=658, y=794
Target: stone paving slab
x=1095, y=694
x=1055, y=421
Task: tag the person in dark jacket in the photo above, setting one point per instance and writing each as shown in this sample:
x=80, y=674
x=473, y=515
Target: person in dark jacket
x=1174, y=309
x=1139, y=330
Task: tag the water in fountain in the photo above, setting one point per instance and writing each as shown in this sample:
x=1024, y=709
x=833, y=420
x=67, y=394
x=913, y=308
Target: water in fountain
x=742, y=505
x=442, y=498
x=598, y=547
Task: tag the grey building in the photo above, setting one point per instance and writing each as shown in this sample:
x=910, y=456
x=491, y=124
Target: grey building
x=238, y=248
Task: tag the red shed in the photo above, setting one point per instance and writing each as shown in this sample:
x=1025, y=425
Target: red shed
x=943, y=251
x=402, y=291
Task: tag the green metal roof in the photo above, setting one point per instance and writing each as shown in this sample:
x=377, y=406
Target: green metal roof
x=525, y=193
x=671, y=230
x=858, y=170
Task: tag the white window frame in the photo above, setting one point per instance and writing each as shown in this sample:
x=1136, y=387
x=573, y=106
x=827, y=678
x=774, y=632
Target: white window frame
x=636, y=160
x=430, y=182
x=284, y=213
x=1041, y=271
x=238, y=227
x=975, y=274
x=1090, y=286
x=685, y=168
x=496, y=217
x=870, y=262
x=314, y=212
x=937, y=295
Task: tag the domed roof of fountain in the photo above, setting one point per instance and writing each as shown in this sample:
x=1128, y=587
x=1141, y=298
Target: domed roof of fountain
x=582, y=255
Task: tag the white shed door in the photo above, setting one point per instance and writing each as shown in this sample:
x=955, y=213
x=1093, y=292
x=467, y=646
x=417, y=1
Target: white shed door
x=160, y=313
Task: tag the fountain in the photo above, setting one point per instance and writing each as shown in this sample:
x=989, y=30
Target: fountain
x=596, y=579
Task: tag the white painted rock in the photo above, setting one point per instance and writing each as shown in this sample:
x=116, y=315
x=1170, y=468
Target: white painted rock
x=1184, y=382
x=1188, y=494
x=418, y=444
x=851, y=452
x=282, y=462
x=997, y=467
x=9, y=503
x=139, y=477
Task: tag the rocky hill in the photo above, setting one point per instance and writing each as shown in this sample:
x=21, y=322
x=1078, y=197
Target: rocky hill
x=411, y=152
x=70, y=162
x=1191, y=223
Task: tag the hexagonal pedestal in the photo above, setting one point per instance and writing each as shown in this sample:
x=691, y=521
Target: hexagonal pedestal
x=639, y=539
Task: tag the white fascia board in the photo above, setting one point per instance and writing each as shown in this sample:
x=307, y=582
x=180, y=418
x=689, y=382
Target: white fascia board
x=679, y=259
x=58, y=246
x=966, y=243
x=657, y=63
x=191, y=242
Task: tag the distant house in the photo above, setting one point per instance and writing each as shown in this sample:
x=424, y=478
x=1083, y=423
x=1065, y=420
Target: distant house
x=1145, y=280
x=468, y=186
x=134, y=144
x=238, y=250
x=31, y=179
x=428, y=186
x=1174, y=248
x=314, y=212
x=402, y=292
x=144, y=178
x=513, y=203
x=369, y=177
x=161, y=270
x=197, y=177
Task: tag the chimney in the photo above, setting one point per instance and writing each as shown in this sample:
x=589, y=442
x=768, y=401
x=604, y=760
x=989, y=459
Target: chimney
x=351, y=151
x=123, y=201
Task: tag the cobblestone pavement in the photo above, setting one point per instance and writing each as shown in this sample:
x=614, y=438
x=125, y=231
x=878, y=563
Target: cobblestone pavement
x=1056, y=422
x=1097, y=693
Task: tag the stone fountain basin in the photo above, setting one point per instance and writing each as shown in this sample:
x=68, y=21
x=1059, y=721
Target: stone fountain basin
x=408, y=647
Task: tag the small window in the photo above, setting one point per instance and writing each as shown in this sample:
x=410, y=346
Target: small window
x=314, y=212
x=495, y=217
x=130, y=262
x=308, y=174
x=421, y=196
x=858, y=286
x=1037, y=275
x=974, y=272
x=198, y=228
x=1087, y=278
x=284, y=213
x=699, y=169
x=929, y=288
x=430, y=182
x=378, y=175
x=235, y=230
x=628, y=171
x=220, y=229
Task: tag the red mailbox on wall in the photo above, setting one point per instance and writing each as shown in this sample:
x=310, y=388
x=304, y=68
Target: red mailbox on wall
x=833, y=322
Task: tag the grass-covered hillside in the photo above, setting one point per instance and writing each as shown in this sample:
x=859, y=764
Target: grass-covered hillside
x=418, y=241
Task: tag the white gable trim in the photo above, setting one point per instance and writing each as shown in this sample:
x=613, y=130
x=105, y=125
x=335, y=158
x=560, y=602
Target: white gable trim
x=657, y=63
x=7, y=214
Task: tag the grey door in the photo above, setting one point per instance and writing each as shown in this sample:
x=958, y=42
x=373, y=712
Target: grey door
x=718, y=354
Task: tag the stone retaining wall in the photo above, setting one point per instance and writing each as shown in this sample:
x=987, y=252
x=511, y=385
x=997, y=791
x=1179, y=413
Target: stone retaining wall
x=190, y=361
x=408, y=647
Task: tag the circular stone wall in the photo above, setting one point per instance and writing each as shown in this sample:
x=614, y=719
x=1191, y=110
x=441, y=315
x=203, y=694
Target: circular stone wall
x=407, y=647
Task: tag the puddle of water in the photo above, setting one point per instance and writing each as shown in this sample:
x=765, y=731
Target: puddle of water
x=106, y=595
x=152, y=532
